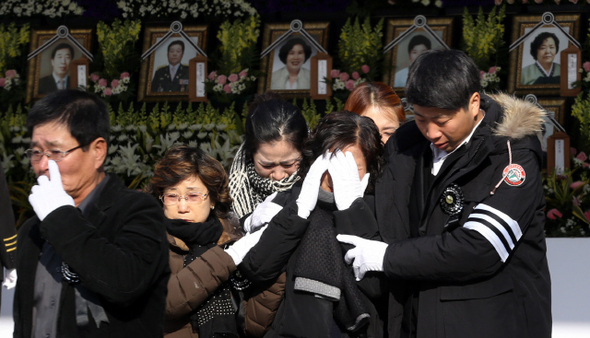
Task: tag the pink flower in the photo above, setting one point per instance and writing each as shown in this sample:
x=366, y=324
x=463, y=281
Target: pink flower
x=576, y=184
x=586, y=66
x=510, y=1
x=212, y=75
x=344, y=77
x=481, y=74
x=349, y=85
x=94, y=77
x=492, y=70
x=115, y=83
x=582, y=156
x=557, y=1
x=365, y=69
x=124, y=75
x=11, y=73
x=108, y=91
x=221, y=79
x=573, y=150
x=498, y=2
x=355, y=75
x=2, y=82
x=587, y=214
x=538, y=1
x=227, y=88
x=102, y=82
x=525, y=1
x=243, y=74
x=574, y=1
x=334, y=73
x=233, y=77
x=554, y=214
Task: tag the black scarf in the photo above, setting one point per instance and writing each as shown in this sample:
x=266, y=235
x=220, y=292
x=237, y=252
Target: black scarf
x=217, y=315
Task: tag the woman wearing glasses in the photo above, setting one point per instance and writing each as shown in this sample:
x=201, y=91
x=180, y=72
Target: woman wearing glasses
x=193, y=189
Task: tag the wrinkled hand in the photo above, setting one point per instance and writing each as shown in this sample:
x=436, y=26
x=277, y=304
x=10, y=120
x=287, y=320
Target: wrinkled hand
x=263, y=213
x=308, y=197
x=9, y=279
x=345, y=177
x=240, y=248
x=366, y=256
x=49, y=195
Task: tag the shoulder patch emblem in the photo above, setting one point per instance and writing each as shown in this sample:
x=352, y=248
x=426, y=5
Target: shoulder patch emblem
x=514, y=175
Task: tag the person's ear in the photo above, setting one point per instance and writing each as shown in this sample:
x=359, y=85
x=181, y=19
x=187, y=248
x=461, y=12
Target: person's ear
x=474, y=104
x=100, y=149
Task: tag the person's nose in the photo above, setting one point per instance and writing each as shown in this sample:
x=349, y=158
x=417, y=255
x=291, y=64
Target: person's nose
x=183, y=206
x=278, y=174
x=432, y=131
x=42, y=166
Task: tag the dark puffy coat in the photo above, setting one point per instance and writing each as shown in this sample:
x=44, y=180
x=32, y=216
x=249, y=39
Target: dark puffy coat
x=483, y=271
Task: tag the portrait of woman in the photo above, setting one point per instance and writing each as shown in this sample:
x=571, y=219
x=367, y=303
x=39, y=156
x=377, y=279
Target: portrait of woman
x=544, y=49
x=293, y=54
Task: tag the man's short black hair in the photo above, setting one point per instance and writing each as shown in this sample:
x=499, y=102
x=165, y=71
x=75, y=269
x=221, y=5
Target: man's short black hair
x=85, y=114
x=538, y=41
x=418, y=40
x=442, y=79
x=62, y=45
x=176, y=42
x=286, y=48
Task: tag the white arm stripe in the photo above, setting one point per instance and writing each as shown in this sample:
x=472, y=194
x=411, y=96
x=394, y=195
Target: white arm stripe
x=492, y=223
x=511, y=223
x=490, y=236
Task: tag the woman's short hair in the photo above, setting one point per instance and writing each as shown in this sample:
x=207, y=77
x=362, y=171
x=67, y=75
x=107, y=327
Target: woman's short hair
x=339, y=130
x=418, y=40
x=181, y=162
x=271, y=119
x=286, y=48
x=538, y=41
x=376, y=94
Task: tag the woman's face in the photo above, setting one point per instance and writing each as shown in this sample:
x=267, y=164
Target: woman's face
x=361, y=163
x=385, y=119
x=194, y=212
x=276, y=160
x=547, y=51
x=295, y=58
x=416, y=51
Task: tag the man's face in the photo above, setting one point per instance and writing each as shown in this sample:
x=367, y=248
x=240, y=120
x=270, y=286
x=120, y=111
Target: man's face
x=447, y=129
x=175, y=53
x=61, y=62
x=78, y=169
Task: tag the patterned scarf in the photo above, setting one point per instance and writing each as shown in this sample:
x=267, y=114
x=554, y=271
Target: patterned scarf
x=248, y=189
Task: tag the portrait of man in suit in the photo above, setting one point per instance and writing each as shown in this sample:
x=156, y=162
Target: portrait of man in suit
x=172, y=77
x=61, y=56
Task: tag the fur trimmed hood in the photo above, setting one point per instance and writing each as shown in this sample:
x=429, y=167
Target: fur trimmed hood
x=521, y=118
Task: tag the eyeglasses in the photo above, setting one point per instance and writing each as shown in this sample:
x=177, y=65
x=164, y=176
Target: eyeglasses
x=191, y=198
x=52, y=154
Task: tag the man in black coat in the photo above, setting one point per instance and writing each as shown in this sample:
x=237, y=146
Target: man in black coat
x=94, y=260
x=61, y=56
x=174, y=76
x=7, y=234
x=460, y=207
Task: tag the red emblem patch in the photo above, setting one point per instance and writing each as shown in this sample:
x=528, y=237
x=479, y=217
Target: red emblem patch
x=514, y=175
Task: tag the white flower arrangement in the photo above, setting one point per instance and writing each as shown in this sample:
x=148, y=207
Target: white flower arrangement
x=11, y=78
x=117, y=86
x=49, y=8
x=489, y=78
x=225, y=8
x=232, y=84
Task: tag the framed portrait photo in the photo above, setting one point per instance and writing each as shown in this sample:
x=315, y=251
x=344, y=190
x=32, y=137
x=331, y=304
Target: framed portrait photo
x=555, y=110
x=287, y=67
x=49, y=70
x=400, y=57
x=535, y=65
x=164, y=74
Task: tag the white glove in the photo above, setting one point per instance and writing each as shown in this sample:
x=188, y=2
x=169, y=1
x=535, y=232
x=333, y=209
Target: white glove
x=366, y=256
x=240, y=248
x=49, y=194
x=310, y=189
x=345, y=177
x=9, y=279
x=263, y=213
